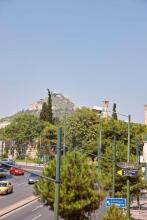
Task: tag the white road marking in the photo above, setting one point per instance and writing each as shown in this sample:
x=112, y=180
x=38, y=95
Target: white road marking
x=38, y=216
x=20, y=184
x=39, y=206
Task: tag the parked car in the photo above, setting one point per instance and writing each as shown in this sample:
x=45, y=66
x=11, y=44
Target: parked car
x=33, y=178
x=3, y=172
x=5, y=187
x=16, y=171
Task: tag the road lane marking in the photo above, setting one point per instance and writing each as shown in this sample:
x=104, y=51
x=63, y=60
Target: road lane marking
x=39, y=206
x=38, y=216
x=20, y=184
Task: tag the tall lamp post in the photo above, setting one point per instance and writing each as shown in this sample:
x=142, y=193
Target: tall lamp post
x=128, y=161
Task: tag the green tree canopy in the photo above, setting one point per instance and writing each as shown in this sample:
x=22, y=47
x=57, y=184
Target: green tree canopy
x=24, y=128
x=114, y=213
x=78, y=194
x=82, y=129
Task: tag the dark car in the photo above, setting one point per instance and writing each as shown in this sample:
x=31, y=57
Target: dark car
x=3, y=172
x=7, y=163
x=33, y=178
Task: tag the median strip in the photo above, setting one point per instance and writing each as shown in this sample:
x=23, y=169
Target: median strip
x=17, y=205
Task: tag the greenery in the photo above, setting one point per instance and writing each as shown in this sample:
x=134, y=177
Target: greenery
x=114, y=213
x=81, y=133
x=46, y=112
x=78, y=194
x=114, y=114
x=29, y=129
x=82, y=130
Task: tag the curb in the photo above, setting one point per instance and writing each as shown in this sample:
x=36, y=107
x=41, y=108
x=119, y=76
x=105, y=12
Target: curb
x=17, y=205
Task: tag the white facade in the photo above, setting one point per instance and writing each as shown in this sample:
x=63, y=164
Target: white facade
x=145, y=152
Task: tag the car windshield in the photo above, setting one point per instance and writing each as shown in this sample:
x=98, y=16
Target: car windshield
x=3, y=184
x=33, y=175
x=2, y=170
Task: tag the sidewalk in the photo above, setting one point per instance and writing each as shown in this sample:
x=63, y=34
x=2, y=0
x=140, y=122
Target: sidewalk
x=29, y=164
x=139, y=214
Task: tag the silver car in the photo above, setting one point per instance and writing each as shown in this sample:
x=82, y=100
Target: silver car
x=33, y=178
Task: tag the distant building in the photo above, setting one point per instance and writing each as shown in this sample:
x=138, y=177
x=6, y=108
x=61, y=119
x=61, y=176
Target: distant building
x=4, y=124
x=102, y=110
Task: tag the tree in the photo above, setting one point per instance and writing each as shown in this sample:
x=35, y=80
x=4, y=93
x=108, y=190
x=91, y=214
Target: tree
x=82, y=129
x=114, y=114
x=50, y=107
x=78, y=194
x=23, y=129
x=44, y=116
x=114, y=213
x=46, y=112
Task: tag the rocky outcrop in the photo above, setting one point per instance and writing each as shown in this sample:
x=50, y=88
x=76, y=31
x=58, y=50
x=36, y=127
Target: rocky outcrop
x=61, y=105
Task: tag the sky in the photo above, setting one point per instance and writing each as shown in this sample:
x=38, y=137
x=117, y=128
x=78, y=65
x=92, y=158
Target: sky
x=89, y=50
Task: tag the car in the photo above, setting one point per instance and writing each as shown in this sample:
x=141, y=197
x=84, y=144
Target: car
x=3, y=172
x=16, y=171
x=33, y=178
x=7, y=163
x=6, y=187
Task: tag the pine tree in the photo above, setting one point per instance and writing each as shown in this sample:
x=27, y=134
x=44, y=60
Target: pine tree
x=78, y=194
x=114, y=114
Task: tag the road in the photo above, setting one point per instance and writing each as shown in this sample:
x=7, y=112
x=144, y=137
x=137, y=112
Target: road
x=33, y=211
x=21, y=190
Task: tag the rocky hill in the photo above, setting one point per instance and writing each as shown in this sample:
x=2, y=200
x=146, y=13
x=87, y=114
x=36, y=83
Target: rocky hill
x=61, y=106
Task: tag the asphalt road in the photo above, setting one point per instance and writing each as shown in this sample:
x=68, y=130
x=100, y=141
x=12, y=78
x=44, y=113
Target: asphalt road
x=21, y=190
x=34, y=211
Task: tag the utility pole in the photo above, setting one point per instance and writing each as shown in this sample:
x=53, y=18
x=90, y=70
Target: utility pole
x=128, y=161
x=57, y=181
x=114, y=167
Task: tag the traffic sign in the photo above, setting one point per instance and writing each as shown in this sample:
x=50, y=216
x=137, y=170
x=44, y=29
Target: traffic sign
x=118, y=202
x=129, y=172
x=120, y=172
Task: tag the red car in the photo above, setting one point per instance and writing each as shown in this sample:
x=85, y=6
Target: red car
x=16, y=171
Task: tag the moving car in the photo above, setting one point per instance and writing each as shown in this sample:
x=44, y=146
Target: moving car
x=5, y=187
x=16, y=171
x=7, y=163
x=3, y=172
x=33, y=178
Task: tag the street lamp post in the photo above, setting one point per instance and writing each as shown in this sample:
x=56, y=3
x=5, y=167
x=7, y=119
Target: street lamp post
x=114, y=167
x=128, y=160
x=57, y=180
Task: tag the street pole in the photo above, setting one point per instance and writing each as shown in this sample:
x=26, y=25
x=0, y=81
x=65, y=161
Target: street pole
x=57, y=181
x=99, y=149
x=114, y=167
x=128, y=160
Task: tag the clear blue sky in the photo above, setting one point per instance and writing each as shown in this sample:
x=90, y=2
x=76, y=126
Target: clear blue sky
x=88, y=50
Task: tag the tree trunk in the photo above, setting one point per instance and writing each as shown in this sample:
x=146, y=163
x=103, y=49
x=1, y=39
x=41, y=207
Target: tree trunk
x=138, y=202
